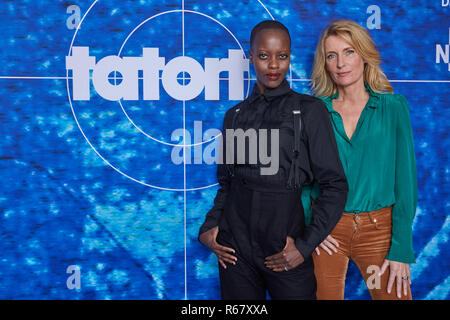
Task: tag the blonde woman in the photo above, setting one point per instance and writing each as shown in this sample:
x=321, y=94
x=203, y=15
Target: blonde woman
x=374, y=138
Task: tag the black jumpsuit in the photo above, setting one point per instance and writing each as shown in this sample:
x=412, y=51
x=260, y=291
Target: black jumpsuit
x=255, y=213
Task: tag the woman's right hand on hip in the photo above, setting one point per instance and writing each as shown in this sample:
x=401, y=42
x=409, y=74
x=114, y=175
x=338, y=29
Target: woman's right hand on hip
x=328, y=245
x=208, y=238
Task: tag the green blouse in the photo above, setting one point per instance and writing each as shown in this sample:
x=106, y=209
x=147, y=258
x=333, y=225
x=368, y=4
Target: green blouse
x=380, y=166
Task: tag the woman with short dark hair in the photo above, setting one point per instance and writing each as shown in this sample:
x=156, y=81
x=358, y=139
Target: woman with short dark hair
x=256, y=226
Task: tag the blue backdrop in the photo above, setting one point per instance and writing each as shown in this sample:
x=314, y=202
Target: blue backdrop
x=92, y=183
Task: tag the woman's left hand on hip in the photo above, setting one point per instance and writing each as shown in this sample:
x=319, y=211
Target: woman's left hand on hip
x=287, y=259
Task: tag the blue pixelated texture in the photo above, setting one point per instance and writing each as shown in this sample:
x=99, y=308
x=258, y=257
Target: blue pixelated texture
x=129, y=221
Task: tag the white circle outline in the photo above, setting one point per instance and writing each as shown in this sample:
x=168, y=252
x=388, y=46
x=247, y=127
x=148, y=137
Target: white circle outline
x=155, y=16
x=88, y=141
x=86, y=138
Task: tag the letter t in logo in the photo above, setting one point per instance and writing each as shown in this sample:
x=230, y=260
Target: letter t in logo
x=152, y=64
x=80, y=63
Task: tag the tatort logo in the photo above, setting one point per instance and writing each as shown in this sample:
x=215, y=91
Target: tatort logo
x=148, y=77
x=200, y=78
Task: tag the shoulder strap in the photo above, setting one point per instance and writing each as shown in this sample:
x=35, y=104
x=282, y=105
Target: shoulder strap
x=294, y=178
x=297, y=131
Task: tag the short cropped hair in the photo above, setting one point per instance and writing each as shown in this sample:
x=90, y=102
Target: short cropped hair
x=268, y=24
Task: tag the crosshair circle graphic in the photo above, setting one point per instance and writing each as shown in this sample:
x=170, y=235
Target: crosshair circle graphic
x=126, y=40
x=87, y=139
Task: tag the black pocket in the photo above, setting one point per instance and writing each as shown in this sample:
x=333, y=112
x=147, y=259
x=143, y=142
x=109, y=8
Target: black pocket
x=274, y=221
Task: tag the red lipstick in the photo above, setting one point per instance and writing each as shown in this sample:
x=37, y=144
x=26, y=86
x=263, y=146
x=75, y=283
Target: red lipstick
x=273, y=76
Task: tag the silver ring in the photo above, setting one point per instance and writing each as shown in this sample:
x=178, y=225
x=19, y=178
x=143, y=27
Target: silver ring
x=406, y=278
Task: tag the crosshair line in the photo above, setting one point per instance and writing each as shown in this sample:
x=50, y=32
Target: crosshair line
x=222, y=78
x=184, y=162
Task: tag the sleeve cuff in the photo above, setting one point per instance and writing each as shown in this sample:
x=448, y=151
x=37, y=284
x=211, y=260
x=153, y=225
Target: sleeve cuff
x=305, y=249
x=401, y=248
x=206, y=227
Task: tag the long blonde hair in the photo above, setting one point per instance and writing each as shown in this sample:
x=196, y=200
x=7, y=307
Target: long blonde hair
x=359, y=38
